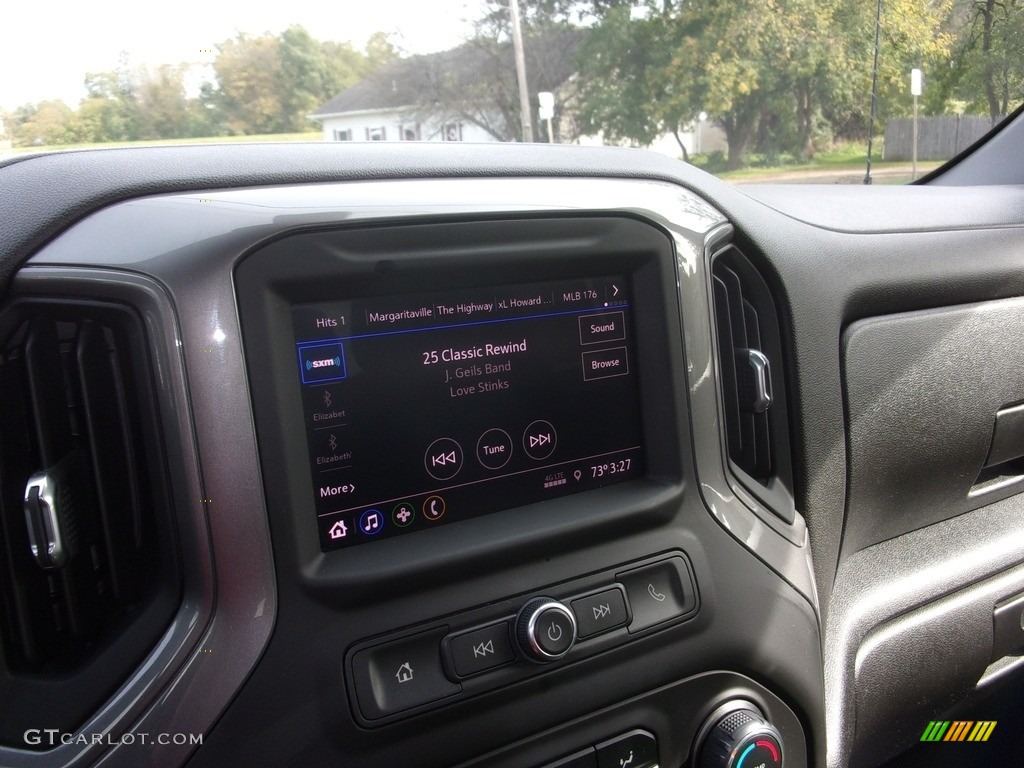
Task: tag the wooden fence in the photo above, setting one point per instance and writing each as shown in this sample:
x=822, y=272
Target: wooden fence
x=938, y=138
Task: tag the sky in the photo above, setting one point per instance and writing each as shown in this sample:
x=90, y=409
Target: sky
x=46, y=48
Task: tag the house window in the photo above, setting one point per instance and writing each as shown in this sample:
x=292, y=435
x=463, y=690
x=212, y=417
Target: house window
x=451, y=132
x=410, y=132
x=376, y=134
x=344, y=134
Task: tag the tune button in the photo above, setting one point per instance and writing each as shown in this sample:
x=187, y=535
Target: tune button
x=545, y=629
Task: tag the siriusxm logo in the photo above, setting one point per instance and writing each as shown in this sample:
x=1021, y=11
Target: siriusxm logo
x=322, y=362
x=329, y=362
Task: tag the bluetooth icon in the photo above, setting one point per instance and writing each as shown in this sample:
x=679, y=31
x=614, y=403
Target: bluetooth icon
x=327, y=398
x=333, y=442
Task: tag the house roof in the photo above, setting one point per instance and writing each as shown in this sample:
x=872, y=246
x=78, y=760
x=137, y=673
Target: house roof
x=409, y=82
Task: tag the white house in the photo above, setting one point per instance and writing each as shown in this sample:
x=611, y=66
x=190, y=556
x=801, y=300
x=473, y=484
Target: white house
x=394, y=124
x=389, y=106
x=469, y=94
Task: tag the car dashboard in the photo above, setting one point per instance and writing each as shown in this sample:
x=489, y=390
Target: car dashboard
x=514, y=458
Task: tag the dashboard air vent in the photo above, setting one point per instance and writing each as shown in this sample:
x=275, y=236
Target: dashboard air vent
x=87, y=573
x=750, y=365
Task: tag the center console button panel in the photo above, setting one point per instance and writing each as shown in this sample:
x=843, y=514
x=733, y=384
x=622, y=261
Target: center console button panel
x=491, y=646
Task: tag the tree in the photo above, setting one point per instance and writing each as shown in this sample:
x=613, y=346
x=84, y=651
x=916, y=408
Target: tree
x=249, y=85
x=622, y=88
x=46, y=123
x=782, y=66
x=270, y=84
x=913, y=35
x=988, y=60
x=643, y=76
x=315, y=71
x=476, y=82
x=164, y=111
x=109, y=111
x=379, y=51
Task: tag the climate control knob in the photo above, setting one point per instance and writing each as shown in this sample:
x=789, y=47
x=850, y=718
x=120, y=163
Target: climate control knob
x=737, y=735
x=545, y=629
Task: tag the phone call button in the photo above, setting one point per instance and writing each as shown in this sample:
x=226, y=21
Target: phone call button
x=658, y=592
x=433, y=508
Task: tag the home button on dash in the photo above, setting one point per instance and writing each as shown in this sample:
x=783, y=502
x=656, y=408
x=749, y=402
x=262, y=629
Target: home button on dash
x=401, y=675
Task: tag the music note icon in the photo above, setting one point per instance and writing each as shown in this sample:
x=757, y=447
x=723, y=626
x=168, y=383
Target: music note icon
x=371, y=522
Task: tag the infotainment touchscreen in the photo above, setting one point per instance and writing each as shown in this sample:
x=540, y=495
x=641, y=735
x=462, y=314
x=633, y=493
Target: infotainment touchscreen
x=422, y=410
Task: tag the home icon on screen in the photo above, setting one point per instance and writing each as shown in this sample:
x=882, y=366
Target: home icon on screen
x=404, y=674
x=338, y=530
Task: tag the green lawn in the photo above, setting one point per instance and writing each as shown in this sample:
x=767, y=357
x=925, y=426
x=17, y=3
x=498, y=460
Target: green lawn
x=845, y=164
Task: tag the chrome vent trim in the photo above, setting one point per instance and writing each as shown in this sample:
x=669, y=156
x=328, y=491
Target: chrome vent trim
x=752, y=388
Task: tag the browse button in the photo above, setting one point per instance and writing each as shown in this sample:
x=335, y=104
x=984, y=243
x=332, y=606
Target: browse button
x=605, y=363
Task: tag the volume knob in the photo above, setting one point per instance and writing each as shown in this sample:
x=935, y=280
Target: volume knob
x=545, y=629
x=738, y=736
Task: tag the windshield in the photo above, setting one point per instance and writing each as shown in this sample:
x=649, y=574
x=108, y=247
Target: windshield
x=802, y=90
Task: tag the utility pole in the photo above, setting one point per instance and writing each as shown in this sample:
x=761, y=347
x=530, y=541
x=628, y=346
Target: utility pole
x=524, y=95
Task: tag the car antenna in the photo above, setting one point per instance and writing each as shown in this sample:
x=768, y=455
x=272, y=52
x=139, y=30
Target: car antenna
x=874, y=88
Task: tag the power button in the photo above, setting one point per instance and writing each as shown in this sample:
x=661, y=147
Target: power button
x=545, y=629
